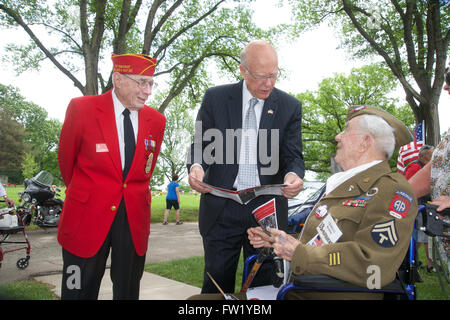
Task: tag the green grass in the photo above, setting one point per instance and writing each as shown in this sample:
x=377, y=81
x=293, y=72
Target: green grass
x=188, y=270
x=26, y=290
x=188, y=204
x=430, y=288
x=188, y=208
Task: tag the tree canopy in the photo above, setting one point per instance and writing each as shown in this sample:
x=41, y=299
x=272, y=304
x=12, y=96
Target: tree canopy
x=325, y=110
x=31, y=132
x=184, y=36
x=410, y=36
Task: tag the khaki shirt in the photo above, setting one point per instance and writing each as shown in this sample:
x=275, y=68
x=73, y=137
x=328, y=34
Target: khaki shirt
x=375, y=210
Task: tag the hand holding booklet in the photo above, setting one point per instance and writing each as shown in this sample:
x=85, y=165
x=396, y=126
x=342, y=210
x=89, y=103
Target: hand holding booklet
x=246, y=195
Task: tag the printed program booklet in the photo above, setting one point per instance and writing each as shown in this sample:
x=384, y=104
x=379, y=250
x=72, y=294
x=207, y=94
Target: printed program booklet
x=244, y=196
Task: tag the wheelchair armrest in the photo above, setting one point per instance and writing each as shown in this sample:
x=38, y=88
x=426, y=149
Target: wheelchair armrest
x=327, y=283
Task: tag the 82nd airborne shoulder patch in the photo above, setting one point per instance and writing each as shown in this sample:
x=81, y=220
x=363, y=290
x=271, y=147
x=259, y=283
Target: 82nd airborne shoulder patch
x=400, y=204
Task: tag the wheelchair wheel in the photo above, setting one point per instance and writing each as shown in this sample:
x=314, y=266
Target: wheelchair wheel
x=22, y=263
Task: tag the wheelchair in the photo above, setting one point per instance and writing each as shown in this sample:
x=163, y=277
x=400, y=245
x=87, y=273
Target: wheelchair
x=402, y=288
x=437, y=227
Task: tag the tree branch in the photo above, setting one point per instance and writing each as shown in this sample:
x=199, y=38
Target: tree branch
x=189, y=26
x=41, y=46
x=348, y=8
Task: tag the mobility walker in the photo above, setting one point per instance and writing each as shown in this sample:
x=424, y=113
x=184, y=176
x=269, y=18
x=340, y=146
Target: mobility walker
x=12, y=222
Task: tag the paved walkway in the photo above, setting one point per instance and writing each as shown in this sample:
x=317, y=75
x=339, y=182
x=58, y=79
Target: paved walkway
x=165, y=243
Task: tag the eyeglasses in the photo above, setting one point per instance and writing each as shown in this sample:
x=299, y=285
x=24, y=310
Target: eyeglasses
x=447, y=76
x=261, y=78
x=142, y=84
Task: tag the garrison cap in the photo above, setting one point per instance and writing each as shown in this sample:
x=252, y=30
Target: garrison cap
x=132, y=63
x=402, y=134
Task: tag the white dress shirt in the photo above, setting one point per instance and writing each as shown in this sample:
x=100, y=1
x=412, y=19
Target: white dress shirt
x=134, y=117
x=338, y=178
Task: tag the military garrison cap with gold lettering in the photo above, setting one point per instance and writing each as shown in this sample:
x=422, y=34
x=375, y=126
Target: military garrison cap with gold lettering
x=132, y=63
x=402, y=134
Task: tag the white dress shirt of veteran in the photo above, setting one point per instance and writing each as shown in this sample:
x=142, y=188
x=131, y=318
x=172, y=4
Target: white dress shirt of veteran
x=259, y=68
x=366, y=140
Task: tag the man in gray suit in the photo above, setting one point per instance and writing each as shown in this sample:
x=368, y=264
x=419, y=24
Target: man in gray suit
x=225, y=154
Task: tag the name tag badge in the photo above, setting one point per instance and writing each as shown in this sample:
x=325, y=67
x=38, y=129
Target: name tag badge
x=101, y=147
x=328, y=230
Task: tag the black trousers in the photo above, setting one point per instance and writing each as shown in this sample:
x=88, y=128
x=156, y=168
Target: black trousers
x=82, y=276
x=225, y=241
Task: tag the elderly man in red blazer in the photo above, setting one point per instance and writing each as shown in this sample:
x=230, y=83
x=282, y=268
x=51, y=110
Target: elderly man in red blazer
x=108, y=148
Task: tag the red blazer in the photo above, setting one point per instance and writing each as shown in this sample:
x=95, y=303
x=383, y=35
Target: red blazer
x=90, y=165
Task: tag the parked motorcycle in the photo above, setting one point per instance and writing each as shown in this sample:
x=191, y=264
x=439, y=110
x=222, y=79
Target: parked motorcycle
x=39, y=198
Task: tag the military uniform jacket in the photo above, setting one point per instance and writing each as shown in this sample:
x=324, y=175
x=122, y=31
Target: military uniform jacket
x=375, y=210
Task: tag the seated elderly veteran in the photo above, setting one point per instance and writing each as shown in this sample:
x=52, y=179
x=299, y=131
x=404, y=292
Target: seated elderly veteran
x=370, y=208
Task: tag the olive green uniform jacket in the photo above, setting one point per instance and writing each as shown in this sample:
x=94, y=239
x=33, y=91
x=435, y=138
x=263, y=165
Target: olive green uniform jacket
x=375, y=210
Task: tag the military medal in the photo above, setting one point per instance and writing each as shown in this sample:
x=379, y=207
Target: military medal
x=148, y=165
x=355, y=203
x=152, y=145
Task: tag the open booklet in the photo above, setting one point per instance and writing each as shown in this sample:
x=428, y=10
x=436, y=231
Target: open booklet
x=244, y=196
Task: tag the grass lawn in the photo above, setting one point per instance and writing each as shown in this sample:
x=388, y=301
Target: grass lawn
x=188, y=270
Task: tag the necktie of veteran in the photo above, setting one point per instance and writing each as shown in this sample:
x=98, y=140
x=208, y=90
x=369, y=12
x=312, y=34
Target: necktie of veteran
x=130, y=143
x=248, y=170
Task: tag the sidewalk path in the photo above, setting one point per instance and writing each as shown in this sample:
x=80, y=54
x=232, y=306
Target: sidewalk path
x=165, y=243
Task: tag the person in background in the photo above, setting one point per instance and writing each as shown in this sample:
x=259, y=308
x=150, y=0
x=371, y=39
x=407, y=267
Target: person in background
x=173, y=200
x=424, y=157
x=434, y=179
x=9, y=202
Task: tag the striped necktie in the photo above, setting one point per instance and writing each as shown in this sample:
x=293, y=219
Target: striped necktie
x=248, y=170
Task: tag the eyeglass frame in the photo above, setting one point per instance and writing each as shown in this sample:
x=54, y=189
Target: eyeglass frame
x=272, y=77
x=142, y=84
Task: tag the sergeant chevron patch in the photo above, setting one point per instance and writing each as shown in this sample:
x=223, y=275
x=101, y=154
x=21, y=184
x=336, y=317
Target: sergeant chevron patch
x=385, y=234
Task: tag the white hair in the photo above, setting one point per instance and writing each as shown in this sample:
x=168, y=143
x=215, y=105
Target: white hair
x=382, y=132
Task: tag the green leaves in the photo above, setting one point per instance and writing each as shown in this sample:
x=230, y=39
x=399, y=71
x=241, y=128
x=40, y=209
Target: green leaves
x=325, y=110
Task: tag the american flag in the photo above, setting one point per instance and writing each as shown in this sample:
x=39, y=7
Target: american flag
x=410, y=152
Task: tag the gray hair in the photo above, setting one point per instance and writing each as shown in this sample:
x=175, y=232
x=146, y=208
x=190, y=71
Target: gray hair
x=382, y=132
